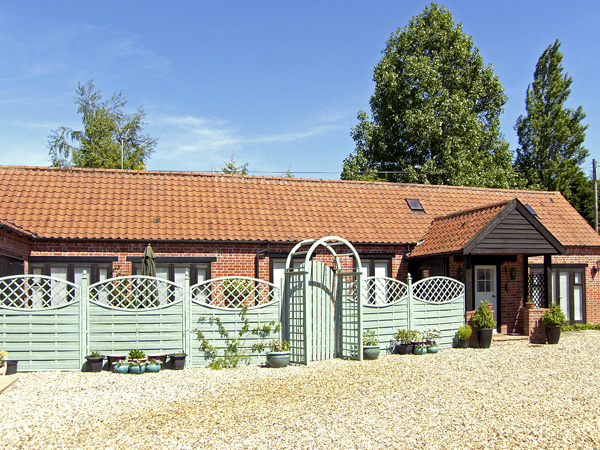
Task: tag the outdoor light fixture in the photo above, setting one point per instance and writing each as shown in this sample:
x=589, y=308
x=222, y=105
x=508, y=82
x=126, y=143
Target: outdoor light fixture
x=596, y=268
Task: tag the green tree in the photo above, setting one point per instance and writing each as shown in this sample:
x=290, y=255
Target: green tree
x=232, y=167
x=435, y=111
x=551, y=135
x=106, y=129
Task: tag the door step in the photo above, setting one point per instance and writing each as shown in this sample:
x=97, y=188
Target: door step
x=502, y=338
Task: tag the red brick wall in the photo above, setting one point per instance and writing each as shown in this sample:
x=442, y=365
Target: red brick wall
x=533, y=326
x=232, y=258
x=11, y=244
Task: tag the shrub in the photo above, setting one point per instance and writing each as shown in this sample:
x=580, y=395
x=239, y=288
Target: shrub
x=464, y=333
x=136, y=354
x=370, y=338
x=554, y=316
x=483, y=317
x=95, y=354
x=406, y=336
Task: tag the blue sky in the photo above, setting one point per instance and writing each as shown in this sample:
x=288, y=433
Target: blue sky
x=276, y=83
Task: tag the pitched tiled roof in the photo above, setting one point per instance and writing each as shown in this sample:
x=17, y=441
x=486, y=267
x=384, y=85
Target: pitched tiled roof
x=58, y=203
x=449, y=234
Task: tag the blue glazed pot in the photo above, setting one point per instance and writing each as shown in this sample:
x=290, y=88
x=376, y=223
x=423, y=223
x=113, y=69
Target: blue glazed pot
x=420, y=351
x=433, y=348
x=152, y=368
x=370, y=352
x=121, y=368
x=278, y=359
x=137, y=369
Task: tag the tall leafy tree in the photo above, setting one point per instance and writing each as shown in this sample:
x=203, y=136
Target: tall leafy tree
x=435, y=112
x=107, y=131
x=551, y=136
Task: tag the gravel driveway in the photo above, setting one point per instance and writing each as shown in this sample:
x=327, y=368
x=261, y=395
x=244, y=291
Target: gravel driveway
x=508, y=397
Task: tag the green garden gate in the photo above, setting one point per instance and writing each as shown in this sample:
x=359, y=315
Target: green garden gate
x=322, y=309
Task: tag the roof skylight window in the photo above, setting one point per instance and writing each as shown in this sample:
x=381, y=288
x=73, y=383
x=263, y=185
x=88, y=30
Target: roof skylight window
x=531, y=210
x=415, y=205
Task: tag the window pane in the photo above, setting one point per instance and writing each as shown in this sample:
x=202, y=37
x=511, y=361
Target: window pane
x=162, y=273
x=365, y=268
x=577, y=277
x=563, y=289
x=202, y=273
x=381, y=269
x=180, y=275
x=578, y=303
x=278, y=274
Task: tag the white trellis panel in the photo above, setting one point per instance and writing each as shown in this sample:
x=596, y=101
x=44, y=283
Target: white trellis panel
x=350, y=313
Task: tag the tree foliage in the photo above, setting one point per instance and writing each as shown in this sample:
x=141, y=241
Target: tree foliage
x=551, y=135
x=106, y=127
x=435, y=111
x=232, y=167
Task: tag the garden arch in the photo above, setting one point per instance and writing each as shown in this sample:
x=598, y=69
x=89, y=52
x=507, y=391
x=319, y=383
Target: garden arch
x=322, y=308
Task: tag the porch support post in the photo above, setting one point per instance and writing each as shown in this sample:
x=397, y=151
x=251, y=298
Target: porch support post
x=525, y=279
x=468, y=271
x=547, y=279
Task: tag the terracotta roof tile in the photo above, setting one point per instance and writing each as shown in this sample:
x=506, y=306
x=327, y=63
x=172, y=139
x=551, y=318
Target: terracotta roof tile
x=118, y=204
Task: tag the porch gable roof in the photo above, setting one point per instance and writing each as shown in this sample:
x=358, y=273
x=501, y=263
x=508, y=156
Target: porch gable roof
x=504, y=228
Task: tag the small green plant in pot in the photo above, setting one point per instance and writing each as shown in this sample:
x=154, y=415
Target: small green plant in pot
x=94, y=361
x=554, y=318
x=278, y=354
x=484, y=323
x=464, y=334
x=405, y=339
x=370, y=345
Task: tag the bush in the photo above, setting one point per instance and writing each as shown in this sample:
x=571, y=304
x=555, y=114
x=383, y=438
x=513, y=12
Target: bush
x=136, y=354
x=464, y=333
x=483, y=317
x=406, y=336
x=554, y=316
x=581, y=326
x=370, y=338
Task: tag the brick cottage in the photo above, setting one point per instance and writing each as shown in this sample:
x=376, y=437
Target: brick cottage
x=505, y=245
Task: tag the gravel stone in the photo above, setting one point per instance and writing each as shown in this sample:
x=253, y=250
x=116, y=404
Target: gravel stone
x=512, y=396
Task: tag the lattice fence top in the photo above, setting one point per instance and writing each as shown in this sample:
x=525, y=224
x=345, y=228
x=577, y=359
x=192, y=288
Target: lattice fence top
x=383, y=291
x=235, y=292
x=438, y=290
x=36, y=292
x=135, y=292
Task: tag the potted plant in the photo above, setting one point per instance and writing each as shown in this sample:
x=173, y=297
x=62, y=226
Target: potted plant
x=112, y=359
x=137, y=361
x=484, y=323
x=278, y=354
x=94, y=361
x=464, y=335
x=178, y=360
x=137, y=366
x=121, y=366
x=153, y=365
x=370, y=345
x=405, y=339
x=420, y=348
x=431, y=337
x=529, y=304
x=554, y=318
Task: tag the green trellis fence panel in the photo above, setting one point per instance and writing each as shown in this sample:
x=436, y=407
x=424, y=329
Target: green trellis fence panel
x=225, y=299
x=436, y=302
x=40, y=322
